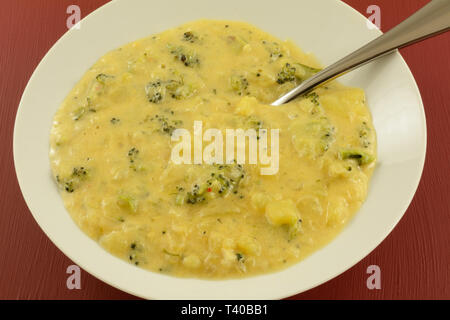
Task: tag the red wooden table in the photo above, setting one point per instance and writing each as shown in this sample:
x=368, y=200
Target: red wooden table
x=414, y=259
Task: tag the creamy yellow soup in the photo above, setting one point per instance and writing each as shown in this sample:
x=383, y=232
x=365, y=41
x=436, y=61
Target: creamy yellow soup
x=112, y=145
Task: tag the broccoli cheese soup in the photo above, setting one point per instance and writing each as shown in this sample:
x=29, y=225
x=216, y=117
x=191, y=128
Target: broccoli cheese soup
x=112, y=145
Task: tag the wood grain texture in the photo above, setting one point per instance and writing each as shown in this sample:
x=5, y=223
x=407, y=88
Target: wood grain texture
x=414, y=259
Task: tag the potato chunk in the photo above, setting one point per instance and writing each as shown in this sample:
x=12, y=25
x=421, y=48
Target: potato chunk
x=282, y=212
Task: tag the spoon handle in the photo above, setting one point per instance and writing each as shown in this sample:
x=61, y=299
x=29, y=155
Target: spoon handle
x=431, y=20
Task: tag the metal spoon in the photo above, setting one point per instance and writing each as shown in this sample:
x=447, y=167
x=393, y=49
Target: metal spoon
x=429, y=21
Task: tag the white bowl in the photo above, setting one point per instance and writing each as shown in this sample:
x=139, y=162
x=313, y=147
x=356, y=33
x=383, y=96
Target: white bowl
x=328, y=28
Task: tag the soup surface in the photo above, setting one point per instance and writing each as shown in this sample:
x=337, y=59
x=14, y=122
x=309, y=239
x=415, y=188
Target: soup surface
x=112, y=143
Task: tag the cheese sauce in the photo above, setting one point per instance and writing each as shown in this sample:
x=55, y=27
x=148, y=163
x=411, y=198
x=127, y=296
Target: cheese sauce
x=111, y=153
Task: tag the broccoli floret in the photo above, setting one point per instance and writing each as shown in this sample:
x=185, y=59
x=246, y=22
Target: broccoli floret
x=170, y=126
x=294, y=72
x=361, y=157
x=188, y=58
x=79, y=172
x=155, y=91
x=323, y=130
x=314, y=137
x=255, y=124
x=166, y=125
x=239, y=84
x=68, y=186
x=327, y=137
x=274, y=50
x=196, y=195
x=223, y=180
x=364, y=135
x=158, y=90
x=72, y=182
x=227, y=178
x=286, y=74
x=96, y=89
x=133, y=156
x=313, y=97
x=190, y=37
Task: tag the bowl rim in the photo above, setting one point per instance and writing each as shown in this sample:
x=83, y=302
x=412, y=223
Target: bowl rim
x=287, y=293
